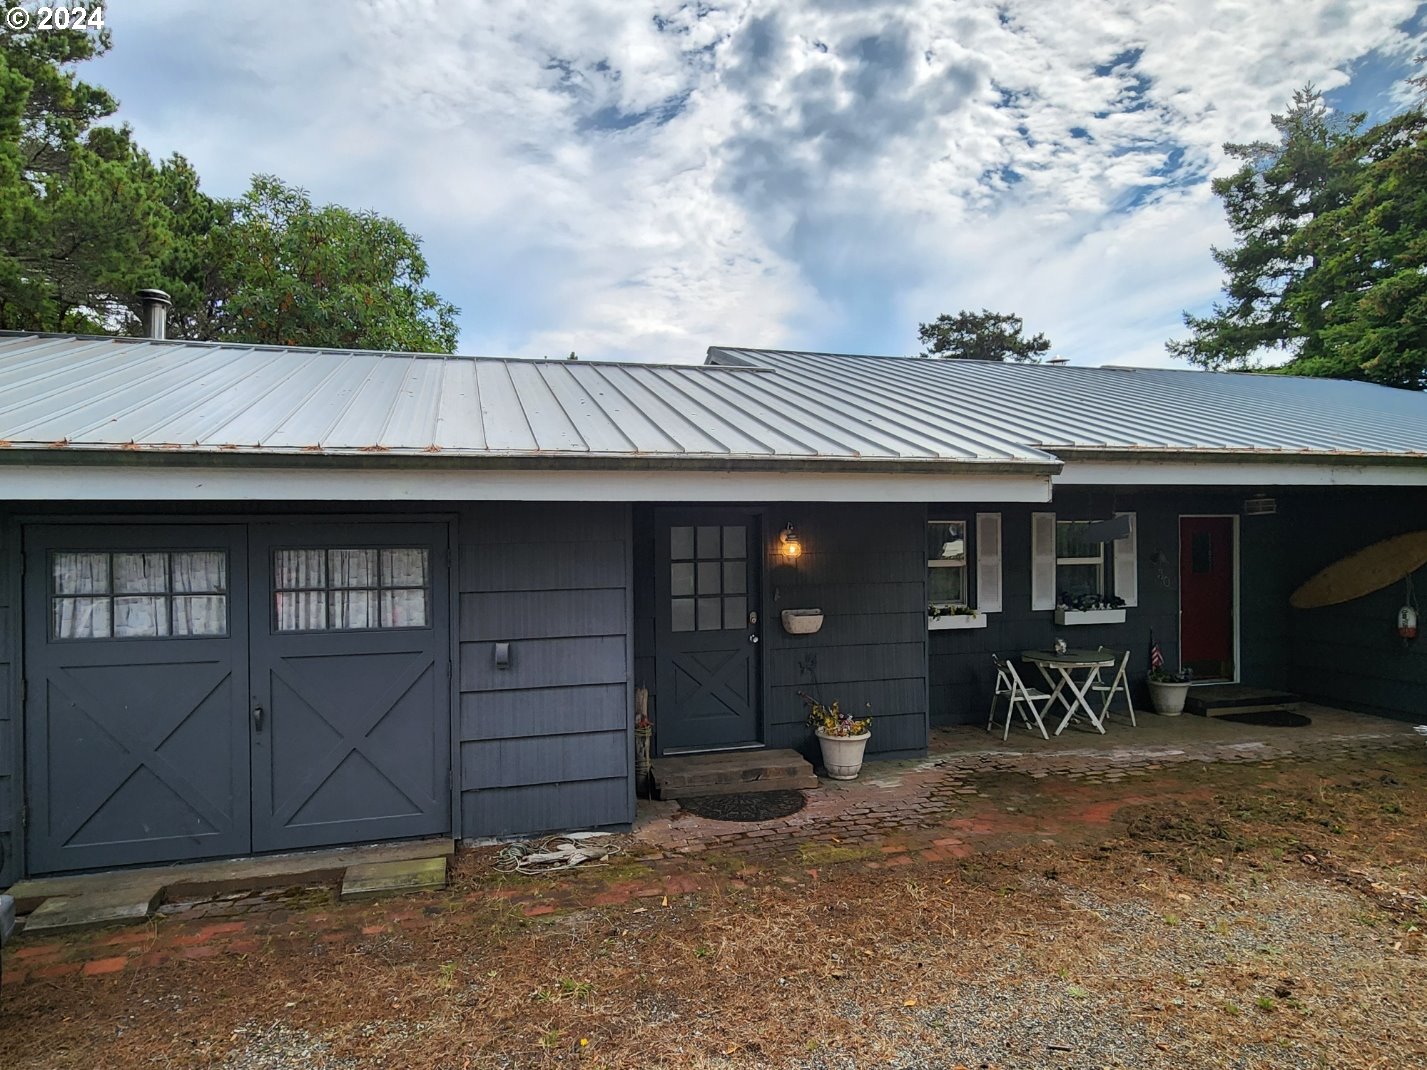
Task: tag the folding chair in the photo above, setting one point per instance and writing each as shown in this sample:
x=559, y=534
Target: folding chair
x=1120, y=683
x=1019, y=698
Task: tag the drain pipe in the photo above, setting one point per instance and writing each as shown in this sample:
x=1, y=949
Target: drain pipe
x=156, y=304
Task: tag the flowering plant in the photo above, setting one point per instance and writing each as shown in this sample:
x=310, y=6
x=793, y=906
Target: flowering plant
x=1165, y=676
x=831, y=721
x=938, y=609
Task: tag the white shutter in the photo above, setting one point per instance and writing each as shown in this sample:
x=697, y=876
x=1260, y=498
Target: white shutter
x=1127, y=576
x=1042, y=560
x=988, y=562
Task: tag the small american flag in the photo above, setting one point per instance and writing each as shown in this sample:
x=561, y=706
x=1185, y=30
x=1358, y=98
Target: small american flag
x=1156, y=658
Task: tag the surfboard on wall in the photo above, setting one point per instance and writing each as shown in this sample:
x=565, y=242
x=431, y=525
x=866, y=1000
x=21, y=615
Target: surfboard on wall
x=1370, y=569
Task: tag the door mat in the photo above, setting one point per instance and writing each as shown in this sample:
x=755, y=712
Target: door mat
x=749, y=806
x=1269, y=718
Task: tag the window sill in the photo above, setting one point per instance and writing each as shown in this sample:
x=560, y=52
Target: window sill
x=955, y=622
x=1089, y=616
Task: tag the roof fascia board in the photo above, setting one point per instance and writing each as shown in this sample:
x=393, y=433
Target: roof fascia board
x=385, y=460
x=249, y=483
x=1233, y=472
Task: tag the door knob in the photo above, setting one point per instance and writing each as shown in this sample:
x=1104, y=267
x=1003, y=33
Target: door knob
x=753, y=638
x=257, y=718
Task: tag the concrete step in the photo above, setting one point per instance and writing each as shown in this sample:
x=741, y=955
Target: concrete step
x=731, y=773
x=1220, y=699
x=385, y=878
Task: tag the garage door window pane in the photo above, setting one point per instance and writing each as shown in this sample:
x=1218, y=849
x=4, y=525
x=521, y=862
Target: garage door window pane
x=138, y=573
x=352, y=568
x=81, y=573
x=404, y=609
x=200, y=572
x=81, y=618
x=131, y=595
x=351, y=589
x=203, y=614
x=301, y=611
x=139, y=616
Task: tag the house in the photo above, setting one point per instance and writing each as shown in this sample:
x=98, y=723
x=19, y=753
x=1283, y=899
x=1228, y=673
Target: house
x=256, y=599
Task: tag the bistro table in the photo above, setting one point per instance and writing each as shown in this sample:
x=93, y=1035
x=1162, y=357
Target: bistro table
x=1059, y=671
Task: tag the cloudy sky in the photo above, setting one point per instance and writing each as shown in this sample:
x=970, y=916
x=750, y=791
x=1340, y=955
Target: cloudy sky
x=643, y=180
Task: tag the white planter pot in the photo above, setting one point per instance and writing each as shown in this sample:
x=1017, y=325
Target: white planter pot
x=842, y=755
x=1168, y=699
x=1089, y=616
x=802, y=621
x=955, y=621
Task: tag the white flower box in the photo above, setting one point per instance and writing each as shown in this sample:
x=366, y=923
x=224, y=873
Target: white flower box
x=802, y=621
x=1089, y=616
x=955, y=621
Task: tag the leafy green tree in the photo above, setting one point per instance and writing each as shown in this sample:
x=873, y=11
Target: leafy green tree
x=1330, y=223
x=76, y=212
x=1364, y=304
x=282, y=271
x=983, y=335
x=87, y=219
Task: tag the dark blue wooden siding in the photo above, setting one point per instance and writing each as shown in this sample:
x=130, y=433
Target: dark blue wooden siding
x=960, y=661
x=545, y=744
x=863, y=565
x=1350, y=655
x=10, y=845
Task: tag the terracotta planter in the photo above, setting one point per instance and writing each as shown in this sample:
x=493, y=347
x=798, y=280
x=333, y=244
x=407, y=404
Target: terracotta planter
x=842, y=755
x=1168, y=698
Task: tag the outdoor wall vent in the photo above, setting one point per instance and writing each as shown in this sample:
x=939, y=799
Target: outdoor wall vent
x=1260, y=506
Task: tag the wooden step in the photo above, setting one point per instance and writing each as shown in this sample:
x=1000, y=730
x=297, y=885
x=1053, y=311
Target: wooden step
x=732, y=773
x=1220, y=699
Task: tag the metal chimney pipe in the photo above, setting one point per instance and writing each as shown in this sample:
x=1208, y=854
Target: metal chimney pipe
x=156, y=304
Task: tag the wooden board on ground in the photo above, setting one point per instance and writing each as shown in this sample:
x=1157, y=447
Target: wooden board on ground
x=1221, y=699
x=1370, y=569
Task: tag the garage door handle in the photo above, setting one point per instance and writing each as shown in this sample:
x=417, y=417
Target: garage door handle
x=257, y=718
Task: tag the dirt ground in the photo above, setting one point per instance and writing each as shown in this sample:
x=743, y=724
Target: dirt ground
x=1202, y=916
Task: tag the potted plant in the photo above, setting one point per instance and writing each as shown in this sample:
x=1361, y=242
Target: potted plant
x=842, y=737
x=1169, y=690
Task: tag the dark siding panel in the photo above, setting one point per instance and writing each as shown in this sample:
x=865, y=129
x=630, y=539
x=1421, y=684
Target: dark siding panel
x=537, y=808
x=546, y=711
x=546, y=743
x=10, y=716
x=535, y=663
x=1350, y=655
x=504, y=763
x=542, y=614
x=542, y=566
x=864, y=566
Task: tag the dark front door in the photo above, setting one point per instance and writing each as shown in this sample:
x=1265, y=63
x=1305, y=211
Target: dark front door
x=136, y=694
x=708, y=621
x=1206, y=596
x=351, y=723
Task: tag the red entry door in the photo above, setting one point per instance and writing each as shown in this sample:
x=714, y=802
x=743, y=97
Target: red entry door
x=1206, y=596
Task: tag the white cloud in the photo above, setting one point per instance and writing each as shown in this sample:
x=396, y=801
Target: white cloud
x=643, y=181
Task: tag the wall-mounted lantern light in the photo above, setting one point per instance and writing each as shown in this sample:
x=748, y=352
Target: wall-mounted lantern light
x=789, y=545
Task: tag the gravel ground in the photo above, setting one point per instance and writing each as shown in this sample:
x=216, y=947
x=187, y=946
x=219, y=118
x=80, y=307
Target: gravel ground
x=1266, y=921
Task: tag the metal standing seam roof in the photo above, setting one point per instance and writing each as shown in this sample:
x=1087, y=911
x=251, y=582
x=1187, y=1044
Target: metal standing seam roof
x=62, y=392
x=96, y=394
x=1066, y=408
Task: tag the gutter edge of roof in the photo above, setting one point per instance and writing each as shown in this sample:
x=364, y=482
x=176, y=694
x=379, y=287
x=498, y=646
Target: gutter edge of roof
x=1158, y=455
x=385, y=460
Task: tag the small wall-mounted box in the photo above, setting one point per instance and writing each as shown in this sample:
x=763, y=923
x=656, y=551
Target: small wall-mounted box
x=802, y=621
